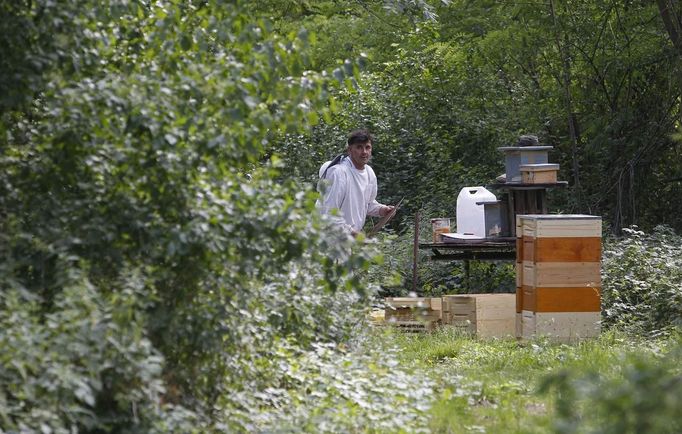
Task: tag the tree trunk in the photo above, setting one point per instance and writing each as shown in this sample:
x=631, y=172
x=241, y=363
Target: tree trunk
x=671, y=14
x=568, y=101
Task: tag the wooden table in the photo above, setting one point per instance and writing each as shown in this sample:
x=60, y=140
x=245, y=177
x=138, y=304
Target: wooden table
x=485, y=249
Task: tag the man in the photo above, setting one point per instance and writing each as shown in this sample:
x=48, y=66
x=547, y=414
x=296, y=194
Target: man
x=351, y=186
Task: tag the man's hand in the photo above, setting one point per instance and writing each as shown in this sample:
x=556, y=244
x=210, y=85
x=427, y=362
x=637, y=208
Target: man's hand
x=385, y=210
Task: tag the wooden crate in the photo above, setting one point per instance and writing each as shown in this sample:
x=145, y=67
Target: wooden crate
x=539, y=173
x=485, y=315
x=571, y=299
x=413, y=314
x=564, y=326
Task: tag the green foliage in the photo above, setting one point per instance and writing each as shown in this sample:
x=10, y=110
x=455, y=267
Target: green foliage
x=445, y=94
x=644, y=395
x=162, y=267
x=642, y=281
x=150, y=260
x=88, y=363
x=336, y=388
x=499, y=385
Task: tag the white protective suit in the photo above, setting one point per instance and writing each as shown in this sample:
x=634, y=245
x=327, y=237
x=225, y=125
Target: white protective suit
x=353, y=192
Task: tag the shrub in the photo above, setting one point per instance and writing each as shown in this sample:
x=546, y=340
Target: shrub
x=645, y=396
x=642, y=281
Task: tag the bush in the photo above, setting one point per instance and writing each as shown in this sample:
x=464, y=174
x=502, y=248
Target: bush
x=642, y=281
x=150, y=262
x=645, y=396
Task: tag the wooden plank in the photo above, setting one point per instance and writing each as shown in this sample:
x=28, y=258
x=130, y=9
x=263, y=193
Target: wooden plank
x=519, y=325
x=576, y=299
x=561, y=274
x=571, y=325
x=562, y=249
x=519, y=299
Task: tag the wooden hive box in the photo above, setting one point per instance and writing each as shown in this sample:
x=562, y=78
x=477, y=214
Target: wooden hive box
x=413, y=313
x=484, y=315
x=560, y=326
x=539, y=173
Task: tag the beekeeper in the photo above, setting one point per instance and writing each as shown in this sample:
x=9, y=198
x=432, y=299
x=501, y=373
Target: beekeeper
x=349, y=186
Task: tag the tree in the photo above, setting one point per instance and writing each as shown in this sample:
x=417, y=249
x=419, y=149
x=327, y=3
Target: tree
x=146, y=247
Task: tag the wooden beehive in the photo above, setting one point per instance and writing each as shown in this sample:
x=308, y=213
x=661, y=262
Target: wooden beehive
x=558, y=266
x=413, y=313
x=484, y=315
x=539, y=173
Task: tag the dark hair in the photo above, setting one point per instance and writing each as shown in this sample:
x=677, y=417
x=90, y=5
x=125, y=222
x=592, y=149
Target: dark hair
x=359, y=136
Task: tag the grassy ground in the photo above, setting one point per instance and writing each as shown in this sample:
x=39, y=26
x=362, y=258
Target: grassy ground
x=493, y=385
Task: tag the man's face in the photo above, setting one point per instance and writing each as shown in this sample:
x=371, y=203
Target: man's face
x=360, y=153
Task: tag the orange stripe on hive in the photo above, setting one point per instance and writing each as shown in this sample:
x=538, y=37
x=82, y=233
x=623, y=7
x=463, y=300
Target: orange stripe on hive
x=567, y=249
x=579, y=299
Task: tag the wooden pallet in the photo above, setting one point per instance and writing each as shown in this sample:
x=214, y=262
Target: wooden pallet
x=413, y=314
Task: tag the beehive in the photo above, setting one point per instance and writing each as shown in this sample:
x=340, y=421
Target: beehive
x=517, y=156
x=484, y=315
x=413, y=313
x=558, y=268
x=539, y=173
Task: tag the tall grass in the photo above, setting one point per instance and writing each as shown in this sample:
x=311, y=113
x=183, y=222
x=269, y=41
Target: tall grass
x=503, y=386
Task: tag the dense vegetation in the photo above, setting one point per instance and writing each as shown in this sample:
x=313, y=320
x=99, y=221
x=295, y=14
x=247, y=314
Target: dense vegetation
x=162, y=266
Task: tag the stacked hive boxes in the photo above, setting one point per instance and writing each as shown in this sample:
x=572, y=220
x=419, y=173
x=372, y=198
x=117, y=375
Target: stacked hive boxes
x=413, y=313
x=519, y=276
x=558, y=276
x=484, y=315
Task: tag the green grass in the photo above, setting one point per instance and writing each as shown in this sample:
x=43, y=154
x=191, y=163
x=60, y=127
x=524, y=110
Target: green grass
x=493, y=385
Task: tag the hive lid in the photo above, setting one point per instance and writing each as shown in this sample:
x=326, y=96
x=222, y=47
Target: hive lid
x=452, y=236
x=534, y=167
x=524, y=148
x=559, y=216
